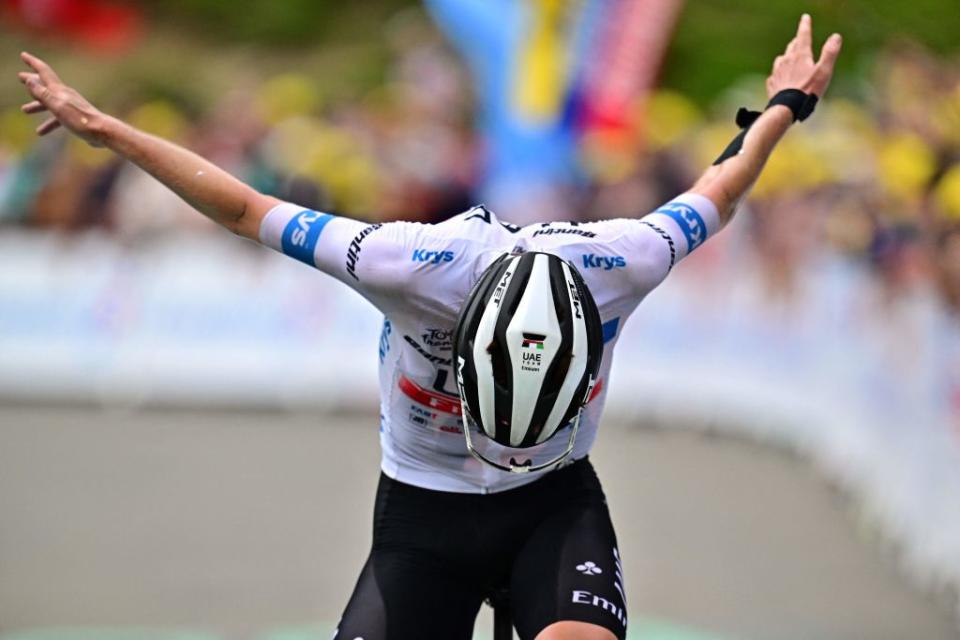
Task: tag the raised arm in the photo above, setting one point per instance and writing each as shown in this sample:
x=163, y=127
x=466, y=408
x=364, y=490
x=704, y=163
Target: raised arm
x=731, y=177
x=204, y=186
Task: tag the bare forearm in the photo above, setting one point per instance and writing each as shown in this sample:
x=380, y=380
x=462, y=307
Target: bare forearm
x=204, y=186
x=794, y=86
x=728, y=182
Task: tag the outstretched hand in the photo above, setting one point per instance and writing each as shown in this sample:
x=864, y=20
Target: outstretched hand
x=796, y=68
x=66, y=106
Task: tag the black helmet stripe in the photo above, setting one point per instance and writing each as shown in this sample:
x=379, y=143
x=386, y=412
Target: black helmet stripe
x=499, y=350
x=467, y=324
x=594, y=338
x=557, y=370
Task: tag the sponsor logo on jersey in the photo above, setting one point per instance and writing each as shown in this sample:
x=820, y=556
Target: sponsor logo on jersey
x=431, y=419
x=593, y=261
x=438, y=338
x=424, y=413
x=589, y=568
x=299, y=239
x=353, y=251
x=441, y=402
x=385, y=339
x=581, y=596
x=547, y=230
x=689, y=221
x=432, y=257
x=420, y=420
x=426, y=354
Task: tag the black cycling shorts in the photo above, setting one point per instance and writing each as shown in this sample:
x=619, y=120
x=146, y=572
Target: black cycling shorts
x=436, y=556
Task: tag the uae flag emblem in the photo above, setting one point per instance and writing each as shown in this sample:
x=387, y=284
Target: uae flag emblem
x=533, y=341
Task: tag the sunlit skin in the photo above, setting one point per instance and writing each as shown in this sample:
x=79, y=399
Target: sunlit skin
x=240, y=208
x=727, y=183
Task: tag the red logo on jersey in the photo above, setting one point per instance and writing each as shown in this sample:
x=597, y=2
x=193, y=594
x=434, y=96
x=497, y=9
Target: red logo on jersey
x=435, y=400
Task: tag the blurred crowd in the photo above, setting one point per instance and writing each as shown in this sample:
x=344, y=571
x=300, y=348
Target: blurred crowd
x=873, y=178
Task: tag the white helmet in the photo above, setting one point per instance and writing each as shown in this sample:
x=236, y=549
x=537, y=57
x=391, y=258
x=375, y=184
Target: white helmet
x=528, y=345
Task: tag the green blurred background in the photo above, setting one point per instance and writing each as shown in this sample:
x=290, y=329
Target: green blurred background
x=716, y=40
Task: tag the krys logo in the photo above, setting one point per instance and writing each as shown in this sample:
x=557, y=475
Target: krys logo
x=300, y=236
x=432, y=257
x=593, y=261
x=690, y=222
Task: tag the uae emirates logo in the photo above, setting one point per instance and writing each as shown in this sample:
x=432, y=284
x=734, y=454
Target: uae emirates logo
x=533, y=341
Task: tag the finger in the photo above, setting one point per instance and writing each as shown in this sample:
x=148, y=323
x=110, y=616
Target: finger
x=42, y=68
x=36, y=88
x=33, y=107
x=830, y=52
x=25, y=77
x=50, y=124
x=791, y=46
x=823, y=72
x=804, y=35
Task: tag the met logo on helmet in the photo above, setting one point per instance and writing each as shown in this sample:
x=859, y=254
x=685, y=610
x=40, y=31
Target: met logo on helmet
x=593, y=261
x=432, y=257
x=501, y=288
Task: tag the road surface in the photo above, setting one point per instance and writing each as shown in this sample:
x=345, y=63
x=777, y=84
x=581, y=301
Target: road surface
x=243, y=524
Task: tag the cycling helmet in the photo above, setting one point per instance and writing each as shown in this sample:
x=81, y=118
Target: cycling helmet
x=528, y=344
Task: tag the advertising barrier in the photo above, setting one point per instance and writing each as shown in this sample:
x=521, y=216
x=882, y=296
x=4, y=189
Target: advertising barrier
x=869, y=392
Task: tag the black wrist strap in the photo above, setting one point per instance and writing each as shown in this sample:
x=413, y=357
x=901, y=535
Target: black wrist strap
x=800, y=104
x=745, y=117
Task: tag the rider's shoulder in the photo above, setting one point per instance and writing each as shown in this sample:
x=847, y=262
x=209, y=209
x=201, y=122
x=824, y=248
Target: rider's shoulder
x=477, y=222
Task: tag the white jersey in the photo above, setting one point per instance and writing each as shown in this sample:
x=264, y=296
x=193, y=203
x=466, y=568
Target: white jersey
x=418, y=275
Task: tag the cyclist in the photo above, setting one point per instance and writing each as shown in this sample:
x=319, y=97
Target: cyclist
x=542, y=303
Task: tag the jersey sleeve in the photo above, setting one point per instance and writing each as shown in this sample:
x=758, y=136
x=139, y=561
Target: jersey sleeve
x=370, y=258
x=659, y=240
